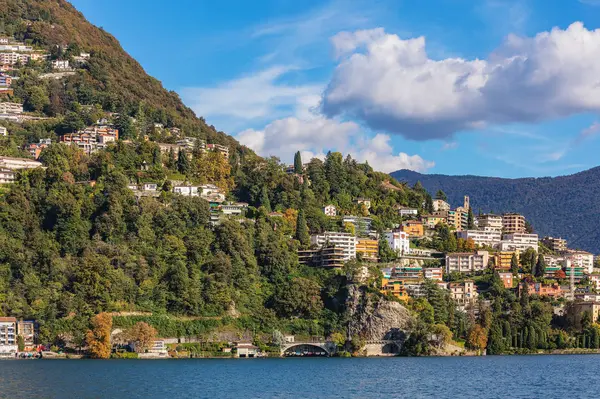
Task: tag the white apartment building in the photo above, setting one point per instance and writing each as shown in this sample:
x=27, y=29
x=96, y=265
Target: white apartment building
x=233, y=208
x=8, y=335
x=60, y=65
x=433, y=273
x=3, y=131
x=18, y=163
x=330, y=210
x=479, y=237
x=407, y=211
x=519, y=242
x=440, y=205
x=13, y=58
x=467, y=262
x=398, y=241
x=15, y=47
x=581, y=259
x=188, y=191
x=11, y=108
x=345, y=241
x=7, y=176
x=490, y=222
x=463, y=293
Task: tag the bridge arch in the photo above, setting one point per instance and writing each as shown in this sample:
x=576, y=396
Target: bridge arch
x=305, y=349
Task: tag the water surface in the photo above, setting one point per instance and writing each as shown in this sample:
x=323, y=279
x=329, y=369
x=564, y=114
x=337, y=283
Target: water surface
x=482, y=377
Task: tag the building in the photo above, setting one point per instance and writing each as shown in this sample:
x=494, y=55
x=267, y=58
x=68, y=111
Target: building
x=440, y=205
x=35, y=149
x=246, y=349
x=483, y=238
x=398, y=241
x=407, y=212
x=507, y=279
x=464, y=293
x=457, y=219
x=363, y=201
x=549, y=290
x=576, y=310
x=223, y=149
x=345, y=241
x=11, y=108
x=330, y=210
x=490, y=222
x=187, y=191
x=555, y=244
x=4, y=40
x=414, y=228
x=18, y=163
x=235, y=209
x=581, y=259
x=362, y=225
x=61, y=65
x=27, y=330
x=3, y=131
x=519, y=242
x=328, y=257
x=513, y=223
x=14, y=58
x=503, y=259
x=466, y=262
x=7, y=176
x=395, y=288
x=5, y=80
x=433, y=220
x=368, y=248
x=433, y=273
x=8, y=335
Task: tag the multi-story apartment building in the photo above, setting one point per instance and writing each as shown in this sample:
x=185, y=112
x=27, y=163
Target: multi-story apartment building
x=26, y=329
x=503, y=259
x=3, y=131
x=35, y=149
x=464, y=293
x=18, y=163
x=398, y=241
x=345, y=241
x=457, y=219
x=433, y=273
x=440, y=205
x=368, y=248
x=362, y=225
x=550, y=290
x=11, y=108
x=414, y=228
x=223, y=149
x=519, y=242
x=555, y=244
x=513, y=223
x=408, y=212
x=329, y=257
x=7, y=176
x=8, y=335
x=13, y=58
x=5, y=80
x=490, y=222
x=487, y=238
x=507, y=279
x=467, y=262
x=433, y=220
x=581, y=259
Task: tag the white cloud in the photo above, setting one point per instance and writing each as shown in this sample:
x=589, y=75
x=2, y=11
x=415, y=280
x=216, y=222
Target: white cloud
x=316, y=136
x=251, y=97
x=392, y=85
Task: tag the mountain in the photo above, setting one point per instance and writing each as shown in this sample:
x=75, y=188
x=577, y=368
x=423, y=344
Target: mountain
x=564, y=206
x=112, y=78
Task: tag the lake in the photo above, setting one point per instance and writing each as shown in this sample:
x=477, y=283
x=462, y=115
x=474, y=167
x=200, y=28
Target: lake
x=452, y=377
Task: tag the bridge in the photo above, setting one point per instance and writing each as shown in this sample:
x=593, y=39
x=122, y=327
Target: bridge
x=313, y=348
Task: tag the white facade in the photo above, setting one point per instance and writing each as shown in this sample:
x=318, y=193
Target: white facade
x=519, y=242
x=189, y=191
x=330, y=210
x=433, y=273
x=398, y=241
x=467, y=262
x=18, y=163
x=3, y=131
x=489, y=238
x=582, y=259
x=233, y=209
x=7, y=176
x=11, y=108
x=345, y=241
x=407, y=211
x=440, y=205
x=8, y=335
x=60, y=64
x=490, y=222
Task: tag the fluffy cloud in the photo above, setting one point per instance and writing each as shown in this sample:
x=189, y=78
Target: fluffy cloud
x=314, y=137
x=392, y=85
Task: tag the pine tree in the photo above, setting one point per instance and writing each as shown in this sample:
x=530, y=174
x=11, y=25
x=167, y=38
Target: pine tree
x=441, y=195
x=183, y=163
x=428, y=203
x=470, y=220
x=298, y=163
x=264, y=199
x=540, y=267
x=302, y=234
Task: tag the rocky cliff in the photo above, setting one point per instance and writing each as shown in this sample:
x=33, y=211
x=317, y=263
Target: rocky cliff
x=375, y=319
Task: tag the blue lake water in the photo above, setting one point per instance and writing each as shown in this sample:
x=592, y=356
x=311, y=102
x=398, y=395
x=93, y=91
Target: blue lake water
x=482, y=377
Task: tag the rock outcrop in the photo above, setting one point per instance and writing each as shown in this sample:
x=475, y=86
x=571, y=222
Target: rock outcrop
x=375, y=319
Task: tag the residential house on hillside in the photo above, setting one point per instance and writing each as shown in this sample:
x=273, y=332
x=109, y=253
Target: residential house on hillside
x=519, y=242
x=440, y=205
x=555, y=244
x=466, y=262
x=414, y=228
x=487, y=238
x=406, y=211
x=330, y=210
x=513, y=223
x=398, y=241
x=345, y=241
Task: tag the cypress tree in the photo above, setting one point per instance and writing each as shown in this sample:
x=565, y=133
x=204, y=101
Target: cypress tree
x=302, y=234
x=540, y=267
x=514, y=264
x=298, y=163
x=264, y=199
x=470, y=219
x=183, y=163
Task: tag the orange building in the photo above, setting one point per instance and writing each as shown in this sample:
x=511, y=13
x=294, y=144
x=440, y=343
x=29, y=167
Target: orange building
x=368, y=248
x=507, y=279
x=414, y=228
x=550, y=290
x=394, y=287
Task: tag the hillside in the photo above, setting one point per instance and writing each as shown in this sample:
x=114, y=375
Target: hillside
x=112, y=78
x=565, y=206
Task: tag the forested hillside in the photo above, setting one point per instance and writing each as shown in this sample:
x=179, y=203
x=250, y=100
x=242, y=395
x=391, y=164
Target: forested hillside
x=565, y=206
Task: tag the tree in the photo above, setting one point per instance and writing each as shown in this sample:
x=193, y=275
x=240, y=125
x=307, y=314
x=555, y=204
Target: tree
x=440, y=195
x=143, y=335
x=540, y=267
x=514, y=264
x=298, y=163
x=278, y=339
x=386, y=253
x=302, y=234
x=477, y=338
x=470, y=219
x=20, y=343
x=98, y=337
x=264, y=198
x=183, y=163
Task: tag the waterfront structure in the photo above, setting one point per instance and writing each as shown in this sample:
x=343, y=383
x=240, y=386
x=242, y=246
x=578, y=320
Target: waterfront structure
x=27, y=330
x=369, y=249
x=488, y=238
x=467, y=262
x=246, y=349
x=555, y=244
x=513, y=223
x=8, y=335
x=345, y=241
x=330, y=210
x=398, y=241
x=519, y=242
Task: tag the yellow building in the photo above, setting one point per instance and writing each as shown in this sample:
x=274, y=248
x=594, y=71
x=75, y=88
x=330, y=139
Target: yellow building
x=368, y=248
x=394, y=287
x=414, y=228
x=503, y=259
x=433, y=220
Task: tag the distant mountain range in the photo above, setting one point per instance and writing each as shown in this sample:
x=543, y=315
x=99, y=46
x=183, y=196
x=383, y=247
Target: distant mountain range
x=564, y=206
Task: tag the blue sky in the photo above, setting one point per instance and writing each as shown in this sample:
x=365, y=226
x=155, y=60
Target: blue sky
x=489, y=87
